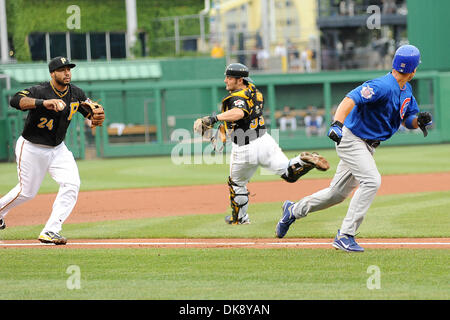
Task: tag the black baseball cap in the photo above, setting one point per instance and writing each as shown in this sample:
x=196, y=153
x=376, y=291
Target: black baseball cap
x=59, y=62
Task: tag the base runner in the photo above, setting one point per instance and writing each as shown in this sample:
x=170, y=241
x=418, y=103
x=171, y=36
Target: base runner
x=369, y=114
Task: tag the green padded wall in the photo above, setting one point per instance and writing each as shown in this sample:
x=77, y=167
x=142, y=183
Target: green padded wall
x=428, y=26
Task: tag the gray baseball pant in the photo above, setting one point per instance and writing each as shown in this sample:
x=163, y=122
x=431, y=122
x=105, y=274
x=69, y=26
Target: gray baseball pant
x=357, y=167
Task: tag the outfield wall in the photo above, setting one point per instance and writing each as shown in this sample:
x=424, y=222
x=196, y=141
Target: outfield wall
x=151, y=108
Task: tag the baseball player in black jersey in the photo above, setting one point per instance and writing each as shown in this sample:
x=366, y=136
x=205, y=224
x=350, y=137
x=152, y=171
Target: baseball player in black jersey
x=252, y=146
x=41, y=148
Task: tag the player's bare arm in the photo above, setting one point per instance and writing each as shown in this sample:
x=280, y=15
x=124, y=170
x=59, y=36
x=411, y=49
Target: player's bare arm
x=343, y=110
x=27, y=103
x=234, y=114
x=204, y=124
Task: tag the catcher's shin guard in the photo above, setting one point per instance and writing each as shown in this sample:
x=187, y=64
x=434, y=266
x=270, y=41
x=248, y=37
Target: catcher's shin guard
x=302, y=164
x=238, y=201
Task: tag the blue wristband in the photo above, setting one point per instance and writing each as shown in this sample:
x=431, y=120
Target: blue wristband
x=409, y=122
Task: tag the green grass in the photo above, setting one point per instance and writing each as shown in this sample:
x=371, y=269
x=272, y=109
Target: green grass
x=284, y=274
x=223, y=274
x=407, y=215
x=161, y=171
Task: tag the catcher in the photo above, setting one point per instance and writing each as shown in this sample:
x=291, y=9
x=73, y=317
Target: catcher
x=41, y=148
x=243, y=125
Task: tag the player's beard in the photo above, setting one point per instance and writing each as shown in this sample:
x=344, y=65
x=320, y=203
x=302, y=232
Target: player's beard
x=62, y=82
x=232, y=85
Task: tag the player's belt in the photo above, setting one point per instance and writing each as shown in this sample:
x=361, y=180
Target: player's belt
x=241, y=139
x=372, y=143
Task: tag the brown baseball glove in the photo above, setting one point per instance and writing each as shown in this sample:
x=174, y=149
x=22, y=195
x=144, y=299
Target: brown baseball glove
x=203, y=126
x=315, y=160
x=96, y=113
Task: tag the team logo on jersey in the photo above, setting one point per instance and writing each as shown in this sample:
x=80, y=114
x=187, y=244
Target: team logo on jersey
x=239, y=103
x=73, y=109
x=404, y=107
x=367, y=92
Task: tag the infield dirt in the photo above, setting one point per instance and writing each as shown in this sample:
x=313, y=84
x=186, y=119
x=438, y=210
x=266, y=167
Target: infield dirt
x=207, y=199
x=159, y=202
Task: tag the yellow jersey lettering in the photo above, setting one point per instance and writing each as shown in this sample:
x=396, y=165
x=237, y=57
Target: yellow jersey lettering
x=261, y=121
x=44, y=122
x=73, y=109
x=259, y=96
x=49, y=124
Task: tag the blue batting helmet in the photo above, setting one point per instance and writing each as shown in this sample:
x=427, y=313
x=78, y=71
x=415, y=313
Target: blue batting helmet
x=406, y=59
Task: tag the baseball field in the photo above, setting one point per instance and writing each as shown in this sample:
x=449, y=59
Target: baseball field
x=146, y=228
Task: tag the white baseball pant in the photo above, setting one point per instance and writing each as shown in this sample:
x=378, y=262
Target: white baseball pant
x=245, y=160
x=33, y=162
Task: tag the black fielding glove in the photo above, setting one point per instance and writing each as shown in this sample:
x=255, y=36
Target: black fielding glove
x=424, y=119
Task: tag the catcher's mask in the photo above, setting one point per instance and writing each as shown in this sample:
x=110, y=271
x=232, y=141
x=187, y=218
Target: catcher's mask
x=238, y=70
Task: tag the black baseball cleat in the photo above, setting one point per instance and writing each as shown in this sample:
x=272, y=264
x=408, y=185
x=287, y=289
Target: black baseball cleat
x=2, y=224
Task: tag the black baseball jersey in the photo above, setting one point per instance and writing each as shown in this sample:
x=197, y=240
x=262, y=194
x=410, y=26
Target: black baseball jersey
x=251, y=101
x=44, y=126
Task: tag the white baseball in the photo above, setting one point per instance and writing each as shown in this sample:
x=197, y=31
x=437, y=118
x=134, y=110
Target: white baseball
x=60, y=106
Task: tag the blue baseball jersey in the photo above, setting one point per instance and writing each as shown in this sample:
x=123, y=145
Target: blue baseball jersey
x=380, y=108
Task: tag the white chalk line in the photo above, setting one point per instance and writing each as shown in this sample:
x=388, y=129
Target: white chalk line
x=228, y=244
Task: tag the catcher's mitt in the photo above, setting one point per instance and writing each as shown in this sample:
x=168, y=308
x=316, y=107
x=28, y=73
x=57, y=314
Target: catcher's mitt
x=315, y=160
x=203, y=126
x=96, y=113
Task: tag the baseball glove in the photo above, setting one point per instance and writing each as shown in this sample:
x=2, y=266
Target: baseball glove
x=424, y=119
x=96, y=113
x=203, y=126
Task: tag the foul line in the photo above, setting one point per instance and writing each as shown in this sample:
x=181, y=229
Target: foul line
x=228, y=244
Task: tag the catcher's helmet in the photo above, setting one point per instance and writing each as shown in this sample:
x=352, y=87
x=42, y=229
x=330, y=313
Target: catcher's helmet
x=406, y=59
x=238, y=70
